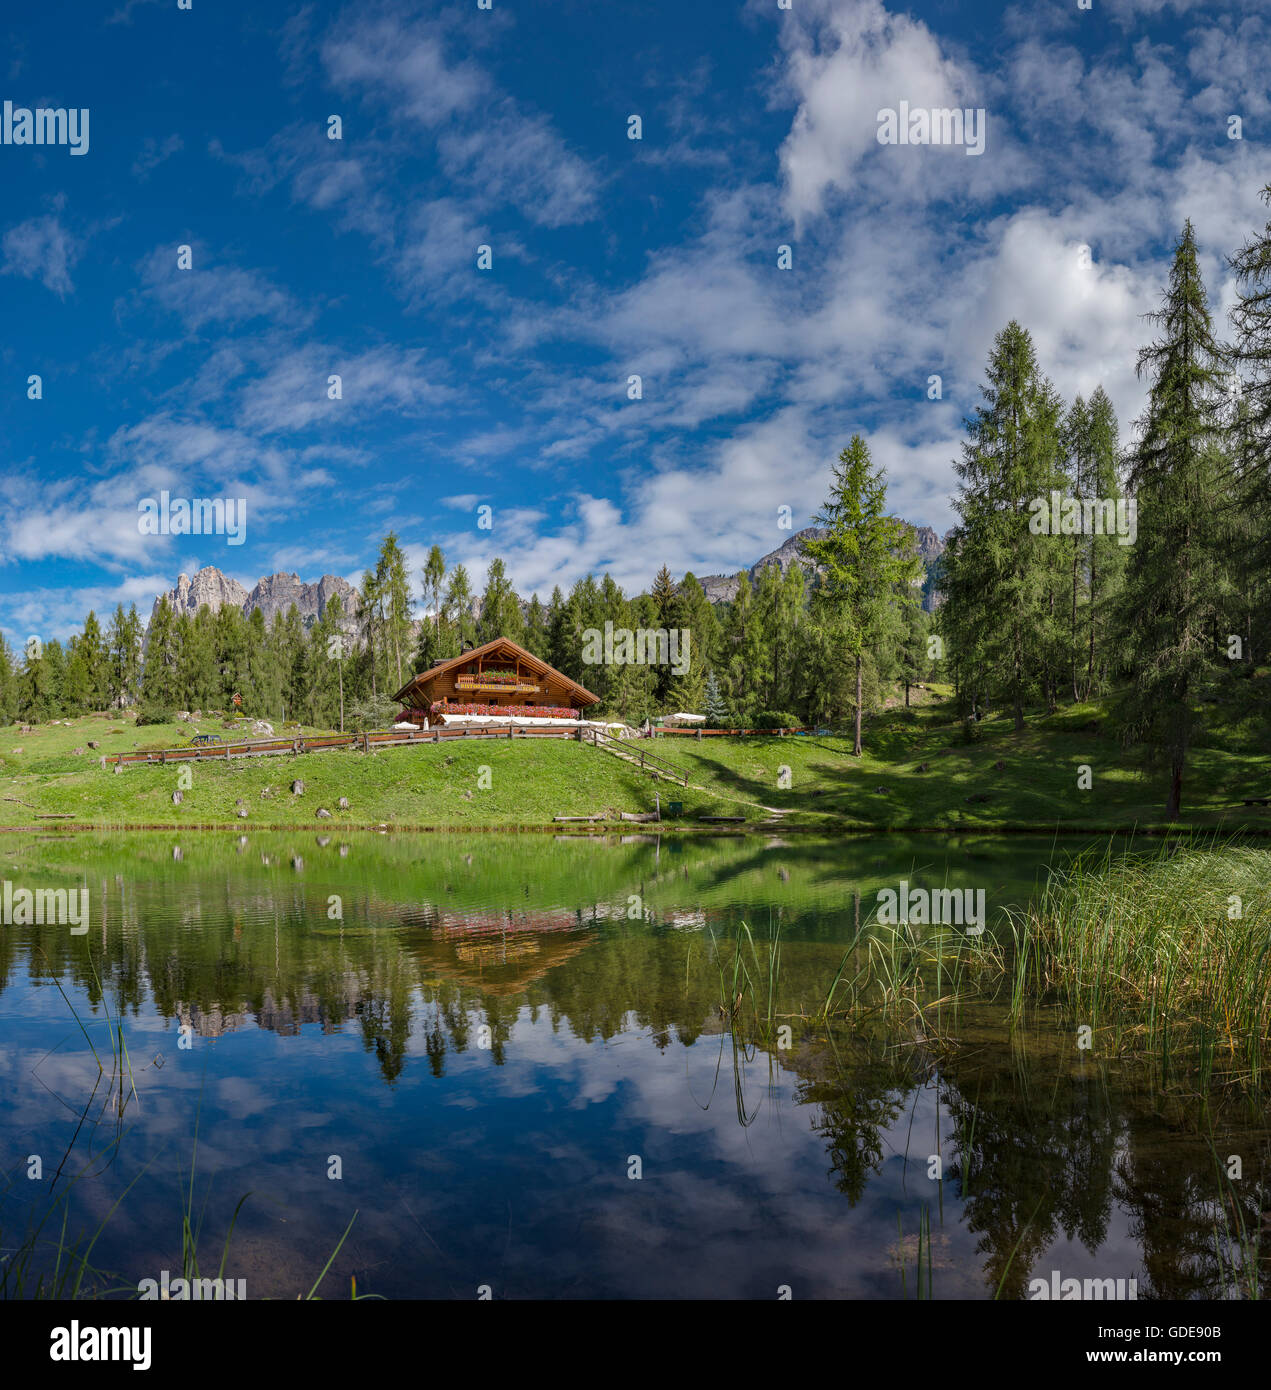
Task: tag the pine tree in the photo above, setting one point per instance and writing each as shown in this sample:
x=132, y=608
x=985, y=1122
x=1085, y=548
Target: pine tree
x=1173, y=582
x=716, y=710
x=693, y=617
x=864, y=558
x=391, y=592
x=536, y=635
x=1106, y=555
x=434, y=577
x=663, y=596
x=557, y=630
x=1003, y=615
x=460, y=625
x=500, y=608
x=8, y=684
x=159, y=682
x=914, y=663
x=1251, y=429
x=287, y=642
x=39, y=693
x=123, y=647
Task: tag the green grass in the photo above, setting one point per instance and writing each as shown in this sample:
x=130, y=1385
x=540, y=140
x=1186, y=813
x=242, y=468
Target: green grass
x=1169, y=957
x=804, y=782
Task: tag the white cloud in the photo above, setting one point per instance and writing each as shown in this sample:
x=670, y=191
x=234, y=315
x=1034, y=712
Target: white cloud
x=43, y=249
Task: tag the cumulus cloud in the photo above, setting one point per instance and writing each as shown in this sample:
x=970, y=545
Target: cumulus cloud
x=43, y=249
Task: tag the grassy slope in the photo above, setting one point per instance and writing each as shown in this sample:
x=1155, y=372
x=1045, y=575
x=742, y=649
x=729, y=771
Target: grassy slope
x=533, y=781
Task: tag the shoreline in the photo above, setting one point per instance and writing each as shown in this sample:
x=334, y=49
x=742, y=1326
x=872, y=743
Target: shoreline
x=608, y=828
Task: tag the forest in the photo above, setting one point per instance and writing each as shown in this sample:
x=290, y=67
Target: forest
x=1167, y=626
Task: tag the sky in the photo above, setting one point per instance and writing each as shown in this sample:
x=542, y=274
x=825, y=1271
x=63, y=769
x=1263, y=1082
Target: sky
x=610, y=258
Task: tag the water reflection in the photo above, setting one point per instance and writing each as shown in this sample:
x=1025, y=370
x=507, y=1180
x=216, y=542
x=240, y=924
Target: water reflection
x=486, y=1032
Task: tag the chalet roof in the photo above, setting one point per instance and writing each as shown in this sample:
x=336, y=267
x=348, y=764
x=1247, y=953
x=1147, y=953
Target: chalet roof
x=515, y=652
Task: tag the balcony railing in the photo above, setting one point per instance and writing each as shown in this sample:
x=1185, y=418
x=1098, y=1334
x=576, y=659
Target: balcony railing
x=496, y=683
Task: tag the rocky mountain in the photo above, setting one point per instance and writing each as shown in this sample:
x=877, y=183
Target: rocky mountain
x=209, y=588
x=275, y=593
x=722, y=588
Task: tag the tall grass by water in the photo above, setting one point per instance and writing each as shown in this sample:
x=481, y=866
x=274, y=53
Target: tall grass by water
x=1168, y=956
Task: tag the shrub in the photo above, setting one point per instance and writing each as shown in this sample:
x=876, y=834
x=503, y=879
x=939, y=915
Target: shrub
x=775, y=719
x=155, y=714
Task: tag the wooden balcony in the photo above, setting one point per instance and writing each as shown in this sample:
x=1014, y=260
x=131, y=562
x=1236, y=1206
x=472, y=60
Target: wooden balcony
x=493, y=685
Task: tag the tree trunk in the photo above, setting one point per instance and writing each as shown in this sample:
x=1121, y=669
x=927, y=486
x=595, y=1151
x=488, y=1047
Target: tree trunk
x=1174, y=804
x=1076, y=694
x=857, y=749
x=1090, y=663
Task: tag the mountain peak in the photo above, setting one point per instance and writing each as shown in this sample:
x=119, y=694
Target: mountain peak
x=272, y=594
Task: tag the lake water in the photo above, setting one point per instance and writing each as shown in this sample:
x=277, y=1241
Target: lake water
x=515, y=1051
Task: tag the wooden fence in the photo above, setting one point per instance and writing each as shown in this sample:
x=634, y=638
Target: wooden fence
x=255, y=748
x=730, y=733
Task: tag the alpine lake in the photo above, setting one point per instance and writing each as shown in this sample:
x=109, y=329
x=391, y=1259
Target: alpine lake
x=426, y=1066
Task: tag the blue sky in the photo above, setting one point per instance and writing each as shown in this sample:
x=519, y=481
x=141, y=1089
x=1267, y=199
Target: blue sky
x=611, y=257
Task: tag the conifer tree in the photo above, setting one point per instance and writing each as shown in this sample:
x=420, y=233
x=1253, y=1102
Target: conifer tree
x=864, y=556
x=716, y=710
x=123, y=647
x=500, y=608
x=1002, y=577
x=1173, y=582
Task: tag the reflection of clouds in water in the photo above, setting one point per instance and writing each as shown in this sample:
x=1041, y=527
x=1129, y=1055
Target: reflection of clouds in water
x=516, y=1174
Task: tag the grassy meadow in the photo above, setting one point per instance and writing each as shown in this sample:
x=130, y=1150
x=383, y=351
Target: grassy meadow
x=918, y=771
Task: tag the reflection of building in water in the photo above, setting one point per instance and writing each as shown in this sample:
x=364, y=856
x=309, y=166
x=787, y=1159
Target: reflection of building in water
x=498, y=951
x=285, y=1017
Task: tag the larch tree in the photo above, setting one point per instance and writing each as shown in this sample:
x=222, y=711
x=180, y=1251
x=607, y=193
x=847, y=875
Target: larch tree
x=862, y=558
x=1173, y=579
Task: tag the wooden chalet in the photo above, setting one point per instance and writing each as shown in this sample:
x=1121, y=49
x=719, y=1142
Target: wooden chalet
x=499, y=678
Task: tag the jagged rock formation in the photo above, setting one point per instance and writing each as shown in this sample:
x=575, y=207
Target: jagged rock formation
x=208, y=589
x=275, y=593
x=722, y=588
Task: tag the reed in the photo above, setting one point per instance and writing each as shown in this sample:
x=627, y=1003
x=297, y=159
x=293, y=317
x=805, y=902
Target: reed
x=1169, y=955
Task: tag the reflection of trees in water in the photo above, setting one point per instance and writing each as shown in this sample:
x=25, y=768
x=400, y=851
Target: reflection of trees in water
x=1033, y=1159
x=1183, y=1212
x=1036, y=1150
x=859, y=1091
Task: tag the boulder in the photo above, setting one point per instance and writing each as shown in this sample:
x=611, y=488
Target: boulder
x=297, y=787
